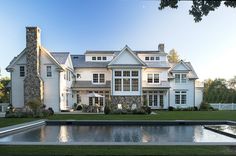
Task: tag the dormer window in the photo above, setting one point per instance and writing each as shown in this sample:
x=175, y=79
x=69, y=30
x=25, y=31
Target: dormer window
x=99, y=58
x=152, y=58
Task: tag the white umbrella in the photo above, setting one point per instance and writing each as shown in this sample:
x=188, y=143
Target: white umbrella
x=94, y=95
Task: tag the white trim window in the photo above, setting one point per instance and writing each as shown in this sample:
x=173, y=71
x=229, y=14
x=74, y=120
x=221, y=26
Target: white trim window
x=99, y=78
x=153, y=78
x=22, y=71
x=180, y=97
x=49, y=71
x=180, y=78
x=126, y=80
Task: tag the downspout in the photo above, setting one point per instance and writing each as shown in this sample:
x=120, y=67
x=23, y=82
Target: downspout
x=194, y=93
x=59, y=89
x=11, y=90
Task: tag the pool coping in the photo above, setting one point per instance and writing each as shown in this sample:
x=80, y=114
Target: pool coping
x=20, y=127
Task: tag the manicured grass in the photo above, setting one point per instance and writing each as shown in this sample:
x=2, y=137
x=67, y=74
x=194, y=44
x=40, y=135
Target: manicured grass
x=124, y=150
x=13, y=121
x=161, y=115
x=117, y=150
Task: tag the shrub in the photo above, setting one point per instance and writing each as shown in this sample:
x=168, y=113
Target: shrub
x=170, y=108
x=205, y=106
x=34, y=105
x=107, y=109
x=146, y=109
x=51, y=111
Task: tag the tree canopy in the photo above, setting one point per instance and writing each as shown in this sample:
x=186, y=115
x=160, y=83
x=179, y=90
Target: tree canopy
x=4, y=91
x=219, y=91
x=199, y=8
x=173, y=56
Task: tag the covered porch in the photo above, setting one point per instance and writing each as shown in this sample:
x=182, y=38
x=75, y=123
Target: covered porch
x=156, y=97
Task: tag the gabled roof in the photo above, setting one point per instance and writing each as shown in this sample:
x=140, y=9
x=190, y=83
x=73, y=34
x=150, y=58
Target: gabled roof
x=15, y=59
x=127, y=49
x=191, y=74
x=181, y=62
x=61, y=57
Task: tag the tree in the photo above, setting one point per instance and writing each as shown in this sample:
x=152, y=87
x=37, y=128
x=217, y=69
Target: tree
x=4, y=91
x=199, y=8
x=173, y=56
x=232, y=83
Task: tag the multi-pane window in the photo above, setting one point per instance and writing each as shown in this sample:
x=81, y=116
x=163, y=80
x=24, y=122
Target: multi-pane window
x=22, y=71
x=177, y=78
x=180, y=78
x=152, y=58
x=95, y=78
x=98, y=78
x=126, y=84
x=180, y=97
x=49, y=71
x=117, y=84
x=156, y=78
x=184, y=78
x=153, y=78
x=99, y=58
x=126, y=73
x=117, y=73
x=126, y=80
x=134, y=84
x=102, y=78
x=149, y=78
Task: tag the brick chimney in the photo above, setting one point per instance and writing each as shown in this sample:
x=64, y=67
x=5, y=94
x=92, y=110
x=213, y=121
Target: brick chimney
x=33, y=84
x=161, y=47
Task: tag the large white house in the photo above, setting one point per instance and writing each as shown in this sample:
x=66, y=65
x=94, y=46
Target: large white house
x=125, y=76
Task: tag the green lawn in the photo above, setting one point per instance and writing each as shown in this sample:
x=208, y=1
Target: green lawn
x=117, y=150
x=125, y=150
x=161, y=115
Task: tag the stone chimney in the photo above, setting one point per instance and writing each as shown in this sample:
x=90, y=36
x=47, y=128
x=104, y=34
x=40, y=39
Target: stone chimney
x=161, y=47
x=33, y=84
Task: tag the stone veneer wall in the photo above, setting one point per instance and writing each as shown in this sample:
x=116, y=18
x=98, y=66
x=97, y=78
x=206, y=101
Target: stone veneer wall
x=33, y=84
x=126, y=100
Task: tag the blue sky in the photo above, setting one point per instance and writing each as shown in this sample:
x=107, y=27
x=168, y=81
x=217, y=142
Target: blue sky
x=77, y=26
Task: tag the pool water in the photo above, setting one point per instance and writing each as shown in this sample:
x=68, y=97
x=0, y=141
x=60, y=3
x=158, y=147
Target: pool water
x=142, y=134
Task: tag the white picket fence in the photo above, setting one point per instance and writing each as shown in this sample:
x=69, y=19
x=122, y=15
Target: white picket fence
x=224, y=106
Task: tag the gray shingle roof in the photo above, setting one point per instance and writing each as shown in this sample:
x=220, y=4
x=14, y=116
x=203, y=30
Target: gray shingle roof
x=191, y=75
x=88, y=84
x=79, y=62
x=61, y=57
x=162, y=85
x=161, y=64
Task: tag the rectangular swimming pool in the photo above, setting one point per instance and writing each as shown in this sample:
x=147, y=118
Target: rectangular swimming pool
x=117, y=134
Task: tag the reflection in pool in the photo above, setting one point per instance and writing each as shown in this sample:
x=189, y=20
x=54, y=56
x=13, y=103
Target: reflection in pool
x=157, y=134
